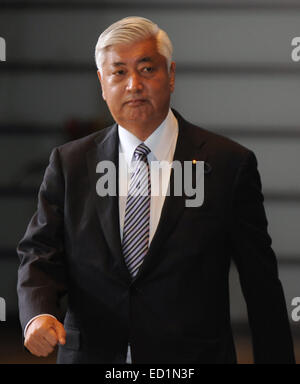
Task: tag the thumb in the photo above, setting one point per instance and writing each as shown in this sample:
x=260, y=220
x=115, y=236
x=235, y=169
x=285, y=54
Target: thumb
x=60, y=332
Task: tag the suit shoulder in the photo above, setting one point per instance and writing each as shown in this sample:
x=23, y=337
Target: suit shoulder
x=82, y=145
x=215, y=143
x=220, y=144
x=226, y=143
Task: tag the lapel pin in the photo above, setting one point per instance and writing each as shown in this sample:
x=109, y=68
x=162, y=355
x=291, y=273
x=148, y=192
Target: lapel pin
x=207, y=166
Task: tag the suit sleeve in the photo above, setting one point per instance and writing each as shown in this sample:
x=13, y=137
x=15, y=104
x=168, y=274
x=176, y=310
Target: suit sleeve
x=41, y=273
x=258, y=270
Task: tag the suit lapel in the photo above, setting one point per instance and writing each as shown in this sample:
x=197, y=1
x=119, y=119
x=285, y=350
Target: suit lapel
x=107, y=149
x=187, y=148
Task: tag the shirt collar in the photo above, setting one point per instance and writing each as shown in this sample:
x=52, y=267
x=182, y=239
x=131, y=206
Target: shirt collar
x=159, y=141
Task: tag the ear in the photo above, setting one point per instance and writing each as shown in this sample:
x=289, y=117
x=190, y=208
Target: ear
x=172, y=76
x=100, y=80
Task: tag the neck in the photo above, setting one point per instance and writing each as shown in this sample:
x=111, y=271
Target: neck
x=143, y=130
x=141, y=133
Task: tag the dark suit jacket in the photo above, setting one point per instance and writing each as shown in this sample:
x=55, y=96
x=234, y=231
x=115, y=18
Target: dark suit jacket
x=176, y=310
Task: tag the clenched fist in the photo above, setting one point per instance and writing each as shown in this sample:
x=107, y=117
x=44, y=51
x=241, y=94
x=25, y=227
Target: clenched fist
x=43, y=334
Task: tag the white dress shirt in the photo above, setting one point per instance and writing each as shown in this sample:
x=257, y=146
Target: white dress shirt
x=162, y=143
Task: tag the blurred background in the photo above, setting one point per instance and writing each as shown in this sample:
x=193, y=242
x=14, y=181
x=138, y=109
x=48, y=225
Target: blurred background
x=235, y=76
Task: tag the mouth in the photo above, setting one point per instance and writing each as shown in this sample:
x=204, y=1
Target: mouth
x=136, y=102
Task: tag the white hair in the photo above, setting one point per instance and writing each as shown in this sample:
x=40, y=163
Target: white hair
x=129, y=30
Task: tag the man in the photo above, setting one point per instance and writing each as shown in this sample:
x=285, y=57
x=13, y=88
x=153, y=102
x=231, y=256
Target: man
x=147, y=278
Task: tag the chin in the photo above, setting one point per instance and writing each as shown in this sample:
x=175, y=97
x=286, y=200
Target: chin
x=138, y=116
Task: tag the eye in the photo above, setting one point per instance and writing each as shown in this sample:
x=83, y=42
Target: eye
x=148, y=69
x=119, y=72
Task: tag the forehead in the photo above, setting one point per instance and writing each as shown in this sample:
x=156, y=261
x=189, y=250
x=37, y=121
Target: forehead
x=132, y=52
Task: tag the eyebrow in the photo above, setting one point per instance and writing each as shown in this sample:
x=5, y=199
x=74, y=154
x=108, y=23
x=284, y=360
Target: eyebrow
x=145, y=59
x=118, y=64
x=142, y=60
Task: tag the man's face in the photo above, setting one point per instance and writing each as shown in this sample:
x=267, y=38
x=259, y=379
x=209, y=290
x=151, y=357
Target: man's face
x=136, y=84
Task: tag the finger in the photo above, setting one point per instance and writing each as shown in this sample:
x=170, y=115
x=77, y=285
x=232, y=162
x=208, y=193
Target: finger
x=46, y=346
x=43, y=347
x=60, y=332
x=51, y=337
x=31, y=348
x=35, y=348
x=40, y=345
x=33, y=351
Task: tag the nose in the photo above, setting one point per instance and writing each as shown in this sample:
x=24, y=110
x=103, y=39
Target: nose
x=134, y=83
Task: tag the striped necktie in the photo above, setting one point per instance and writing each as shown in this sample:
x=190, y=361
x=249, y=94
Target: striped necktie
x=137, y=213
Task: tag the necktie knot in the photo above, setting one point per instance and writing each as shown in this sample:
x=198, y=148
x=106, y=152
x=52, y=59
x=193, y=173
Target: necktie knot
x=141, y=151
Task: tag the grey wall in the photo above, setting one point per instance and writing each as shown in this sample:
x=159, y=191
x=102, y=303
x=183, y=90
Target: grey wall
x=234, y=76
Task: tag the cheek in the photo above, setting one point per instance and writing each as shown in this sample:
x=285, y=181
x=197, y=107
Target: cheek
x=160, y=87
x=113, y=95
x=160, y=93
